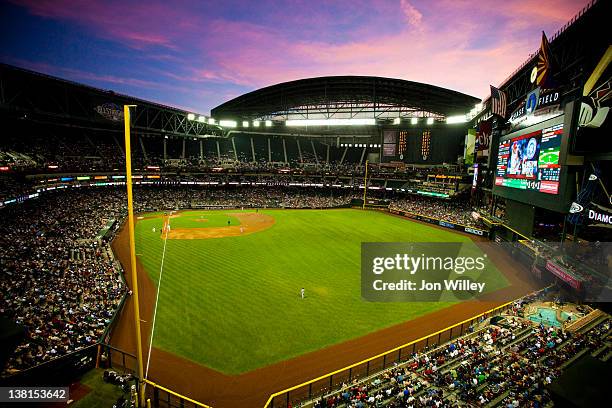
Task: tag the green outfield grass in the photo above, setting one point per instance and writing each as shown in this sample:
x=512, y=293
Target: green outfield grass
x=233, y=304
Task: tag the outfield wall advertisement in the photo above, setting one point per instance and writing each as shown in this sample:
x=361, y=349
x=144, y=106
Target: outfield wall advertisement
x=445, y=224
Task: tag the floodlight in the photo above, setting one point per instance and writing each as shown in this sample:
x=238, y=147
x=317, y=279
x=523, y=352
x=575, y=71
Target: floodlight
x=414, y=121
x=190, y=116
x=268, y=123
x=255, y=123
x=228, y=123
x=456, y=119
x=211, y=121
x=201, y=119
x=430, y=121
x=396, y=121
x=245, y=123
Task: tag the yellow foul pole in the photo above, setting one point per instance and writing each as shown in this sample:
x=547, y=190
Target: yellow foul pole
x=365, y=186
x=128, y=172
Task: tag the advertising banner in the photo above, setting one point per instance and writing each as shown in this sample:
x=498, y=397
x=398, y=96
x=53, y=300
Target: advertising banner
x=560, y=272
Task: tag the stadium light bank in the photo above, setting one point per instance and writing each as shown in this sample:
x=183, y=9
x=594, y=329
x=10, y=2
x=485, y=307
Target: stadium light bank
x=456, y=119
x=330, y=122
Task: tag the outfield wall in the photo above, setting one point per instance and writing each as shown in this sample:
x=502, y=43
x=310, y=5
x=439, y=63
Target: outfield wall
x=437, y=221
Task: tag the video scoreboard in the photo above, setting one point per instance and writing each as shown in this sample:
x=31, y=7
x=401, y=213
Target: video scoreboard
x=531, y=161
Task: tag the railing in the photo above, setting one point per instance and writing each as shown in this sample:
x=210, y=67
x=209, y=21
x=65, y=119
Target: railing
x=332, y=381
x=162, y=397
x=112, y=357
x=158, y=395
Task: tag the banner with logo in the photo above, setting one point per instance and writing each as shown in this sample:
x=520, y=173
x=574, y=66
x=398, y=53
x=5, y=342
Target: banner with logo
x=563, y=274
x=483, y=138
x=585, y=210
x=599, y=216
x=110, y=111
x=538, y=106
x=445, y=224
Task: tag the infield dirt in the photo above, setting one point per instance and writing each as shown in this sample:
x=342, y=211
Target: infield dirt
x=250, y=223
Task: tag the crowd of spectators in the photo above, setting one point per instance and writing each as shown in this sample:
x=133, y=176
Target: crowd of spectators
x=63, y=300
x=178, y=197
x=12, y=188
x=507, y=364
x=455, y=211
x=69, y=151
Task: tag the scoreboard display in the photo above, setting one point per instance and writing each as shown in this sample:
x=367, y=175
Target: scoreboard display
x=531, y=161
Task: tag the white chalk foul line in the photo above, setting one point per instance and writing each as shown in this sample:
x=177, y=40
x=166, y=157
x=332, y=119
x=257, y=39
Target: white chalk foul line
x=161, y=270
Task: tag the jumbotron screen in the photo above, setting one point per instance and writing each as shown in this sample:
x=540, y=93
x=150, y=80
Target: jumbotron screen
x=531, y=161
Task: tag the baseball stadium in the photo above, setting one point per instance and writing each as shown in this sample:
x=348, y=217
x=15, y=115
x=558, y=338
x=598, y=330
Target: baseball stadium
x=319, y=241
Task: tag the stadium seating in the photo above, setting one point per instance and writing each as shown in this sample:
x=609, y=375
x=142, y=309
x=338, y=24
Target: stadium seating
x=505, y=364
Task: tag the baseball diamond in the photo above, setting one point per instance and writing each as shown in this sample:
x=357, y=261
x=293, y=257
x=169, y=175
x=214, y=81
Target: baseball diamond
x=256, y=311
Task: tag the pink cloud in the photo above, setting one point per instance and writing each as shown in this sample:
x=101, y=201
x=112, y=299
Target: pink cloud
x=440, y=54
x=413, y=16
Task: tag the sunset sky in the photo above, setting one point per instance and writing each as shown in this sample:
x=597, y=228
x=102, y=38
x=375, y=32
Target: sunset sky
x=197, y=54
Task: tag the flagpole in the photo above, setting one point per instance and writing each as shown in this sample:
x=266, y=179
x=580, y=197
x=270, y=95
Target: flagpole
x=128, y=172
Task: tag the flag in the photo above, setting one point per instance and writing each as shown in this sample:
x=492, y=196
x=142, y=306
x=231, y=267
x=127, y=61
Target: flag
x=544, y=78
x=498, y=102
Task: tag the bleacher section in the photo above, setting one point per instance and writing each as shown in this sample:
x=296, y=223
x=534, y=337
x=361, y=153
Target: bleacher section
x=227, y=150
x=508, y=363
x=353, y=155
